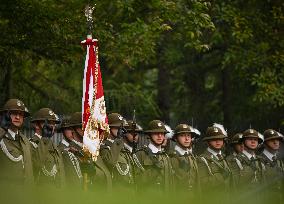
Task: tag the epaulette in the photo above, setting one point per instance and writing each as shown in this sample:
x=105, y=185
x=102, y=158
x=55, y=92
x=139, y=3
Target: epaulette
x=143, y=148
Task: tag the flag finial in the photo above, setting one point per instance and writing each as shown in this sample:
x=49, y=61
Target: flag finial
x=89, y=16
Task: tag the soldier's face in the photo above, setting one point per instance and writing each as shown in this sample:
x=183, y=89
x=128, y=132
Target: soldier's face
x=216, y=144
x=238, y=148
x=130, y=137
x=17, y=118
x=67, y=132
x=114, y=131
x=80, y=131
x=184, y=139
x=273, y=144
x=251, y=143
x=158, y=138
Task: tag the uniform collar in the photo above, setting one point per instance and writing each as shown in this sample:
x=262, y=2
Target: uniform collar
x=38, y=135
x=268, y=154
x=214, y=153
x=154, y=149
x=128, y=147
x=110, y=140
x=248, y=155
x=12, y=133
x=182, y=151
x=78, y=143
x=65, y=142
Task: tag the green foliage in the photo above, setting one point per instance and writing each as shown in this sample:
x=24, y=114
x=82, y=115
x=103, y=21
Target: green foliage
x=224, y=58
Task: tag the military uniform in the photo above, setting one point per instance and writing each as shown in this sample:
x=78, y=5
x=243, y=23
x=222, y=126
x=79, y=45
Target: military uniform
x=15, y=152
x=215, y=174
x=118, y=156
x=184, y=163
x=47, y=158
x=96, y=176
x=71, y=162
x=235, y=139
x=154, y=165
x=274, y=168
x=247, y=168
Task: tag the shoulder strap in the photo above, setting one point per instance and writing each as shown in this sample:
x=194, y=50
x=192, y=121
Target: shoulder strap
x=206, y=163
x=239, y=163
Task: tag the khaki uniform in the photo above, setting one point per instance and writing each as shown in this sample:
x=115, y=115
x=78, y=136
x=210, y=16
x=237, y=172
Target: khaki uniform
x=274, y=172
x=154, y=170
x=72, y=166
x=15, y=158
x=274, y=169
x=120, y=163
x=186, y=176
x=47, y=162
x=247, y=171
x=97, y=175
x=215, y=173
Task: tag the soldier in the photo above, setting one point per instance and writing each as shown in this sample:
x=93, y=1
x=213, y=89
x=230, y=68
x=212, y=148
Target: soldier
x=274, y=167
x=96, y=174
x=215, y=174
x=183, y=161
x=124, y=170
x=110, y=150
x=71, y=162
x=154, y=170
x=47, y=159
x=247, y=169
x=66, y=130
x=15, y=153
x=236, y=144
x=117, y=151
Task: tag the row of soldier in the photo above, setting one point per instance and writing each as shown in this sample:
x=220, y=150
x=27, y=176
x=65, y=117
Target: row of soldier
x=123, y=166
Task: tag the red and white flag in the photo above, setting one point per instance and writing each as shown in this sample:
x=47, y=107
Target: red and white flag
x=95, y=123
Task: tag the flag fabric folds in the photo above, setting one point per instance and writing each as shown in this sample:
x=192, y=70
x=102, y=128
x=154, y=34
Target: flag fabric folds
x=94, y=118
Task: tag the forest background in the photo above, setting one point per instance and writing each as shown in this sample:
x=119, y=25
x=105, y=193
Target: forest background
x=181, y=61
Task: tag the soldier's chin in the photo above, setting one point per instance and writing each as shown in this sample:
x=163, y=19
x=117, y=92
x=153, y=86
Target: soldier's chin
x=17, y=124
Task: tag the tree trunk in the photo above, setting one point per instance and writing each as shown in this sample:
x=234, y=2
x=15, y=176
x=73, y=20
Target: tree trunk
x=163, y=87
x=5, y=81
x=226, y=98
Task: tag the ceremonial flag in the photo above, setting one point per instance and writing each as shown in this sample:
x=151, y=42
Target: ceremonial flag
x=94, y=118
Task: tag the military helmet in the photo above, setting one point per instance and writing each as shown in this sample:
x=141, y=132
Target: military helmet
x=184, y=128
x=45, y=114
x=156, y=126
x=251, y=133
x=129, y=128
x=65, y=123
x=214, y=133
x=15, y=105
x=236, y=139
x=115, y=120
x=272, y=134
x=75, y=119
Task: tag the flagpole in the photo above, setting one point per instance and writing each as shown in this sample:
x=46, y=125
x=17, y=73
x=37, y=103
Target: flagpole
x=94, y=118
x=89, y=17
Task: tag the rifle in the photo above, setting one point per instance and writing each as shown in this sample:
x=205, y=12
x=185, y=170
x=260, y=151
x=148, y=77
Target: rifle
x=133, y=130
